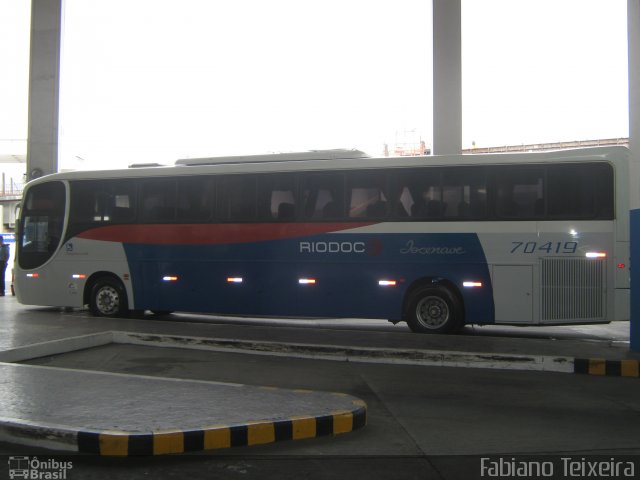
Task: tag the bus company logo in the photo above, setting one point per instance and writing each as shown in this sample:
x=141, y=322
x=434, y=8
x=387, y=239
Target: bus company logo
x=32, y=468
x=412, y=249
x=372, y=247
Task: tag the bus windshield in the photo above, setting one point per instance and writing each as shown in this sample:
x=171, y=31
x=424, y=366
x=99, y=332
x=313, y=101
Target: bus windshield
x=41, y=224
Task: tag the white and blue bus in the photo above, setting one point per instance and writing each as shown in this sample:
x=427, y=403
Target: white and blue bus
x=438, y=242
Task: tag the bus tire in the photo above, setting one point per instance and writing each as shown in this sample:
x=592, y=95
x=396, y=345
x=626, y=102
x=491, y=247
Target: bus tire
x=108, y=298
x=434, y=309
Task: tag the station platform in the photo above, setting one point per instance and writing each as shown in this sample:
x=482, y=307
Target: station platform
x=116, y=414
x=124, y=415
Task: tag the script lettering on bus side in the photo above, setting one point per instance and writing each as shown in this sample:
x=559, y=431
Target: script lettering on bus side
x=411, y=248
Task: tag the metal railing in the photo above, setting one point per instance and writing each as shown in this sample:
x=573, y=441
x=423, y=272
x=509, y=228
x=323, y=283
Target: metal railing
x=11, y=190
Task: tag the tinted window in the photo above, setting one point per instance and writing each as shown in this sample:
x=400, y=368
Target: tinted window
x=41, y=224
x=464, y=192
x=420, y=193
x=520, y=192
x=277, y=198
x=158, y=200
x=96, y=202
x=460, y=193
x=236, y=199
x=323, y=196
x=368, y=195
x=580, y=191
x=194, y=199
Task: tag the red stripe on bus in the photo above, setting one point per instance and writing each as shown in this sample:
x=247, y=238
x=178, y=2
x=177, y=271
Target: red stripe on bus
x=192, y=234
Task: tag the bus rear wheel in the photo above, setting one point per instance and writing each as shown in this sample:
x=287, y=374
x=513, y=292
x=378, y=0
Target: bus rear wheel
x=108, y=298
x=434, y=310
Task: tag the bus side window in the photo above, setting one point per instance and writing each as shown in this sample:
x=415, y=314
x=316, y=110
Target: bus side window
x=323, y=196
x=236, y=199
x=580, y=191
x=110, y=201
x=194, y=199
x=519, y=192
x=464, y=191
x=119, y=202
x=604, y=188
x=421, y=194
x=368, y=195
x=158, y=200
x=85, y=203
x=277, y=198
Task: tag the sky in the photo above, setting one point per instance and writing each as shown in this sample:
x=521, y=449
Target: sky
x=159, y=80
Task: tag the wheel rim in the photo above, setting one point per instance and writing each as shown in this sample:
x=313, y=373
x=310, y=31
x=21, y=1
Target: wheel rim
x=108, y=300
x=432, y=312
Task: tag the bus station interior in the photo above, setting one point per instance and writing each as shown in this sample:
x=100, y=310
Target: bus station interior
x=366, y=397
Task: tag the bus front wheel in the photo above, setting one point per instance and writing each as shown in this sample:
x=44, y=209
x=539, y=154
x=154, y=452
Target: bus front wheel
x=434, y=309
x=108, y=298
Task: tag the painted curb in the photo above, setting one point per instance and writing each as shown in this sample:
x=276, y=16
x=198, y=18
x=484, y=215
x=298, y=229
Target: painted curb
x=608, y=368
x=110, y=443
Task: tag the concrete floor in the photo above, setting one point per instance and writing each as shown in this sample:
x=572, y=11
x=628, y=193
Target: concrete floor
x=423, y=421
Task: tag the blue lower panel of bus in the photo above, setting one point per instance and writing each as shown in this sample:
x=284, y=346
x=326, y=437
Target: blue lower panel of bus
x=345, y=275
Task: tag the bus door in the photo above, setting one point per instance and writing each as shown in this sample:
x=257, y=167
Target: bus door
x=513, y=293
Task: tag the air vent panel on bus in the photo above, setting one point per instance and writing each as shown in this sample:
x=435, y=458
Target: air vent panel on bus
x=573, y=289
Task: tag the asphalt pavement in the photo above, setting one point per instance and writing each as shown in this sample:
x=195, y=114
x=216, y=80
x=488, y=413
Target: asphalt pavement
x=423, y=421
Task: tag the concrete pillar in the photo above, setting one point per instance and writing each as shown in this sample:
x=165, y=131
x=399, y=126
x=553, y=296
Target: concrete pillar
x=633, y=19
x=44, y=87
x=447, y=77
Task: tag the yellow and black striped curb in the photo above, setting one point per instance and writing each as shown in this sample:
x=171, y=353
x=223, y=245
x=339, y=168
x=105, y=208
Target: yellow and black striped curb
x=113, y=443
x=609, y=368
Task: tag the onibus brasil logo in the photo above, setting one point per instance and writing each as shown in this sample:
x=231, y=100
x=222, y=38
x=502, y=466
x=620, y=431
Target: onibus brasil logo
x=32, y=468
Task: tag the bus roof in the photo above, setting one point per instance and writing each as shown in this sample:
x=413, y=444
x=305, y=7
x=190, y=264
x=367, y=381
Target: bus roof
x=322, y=160
x=336, y=154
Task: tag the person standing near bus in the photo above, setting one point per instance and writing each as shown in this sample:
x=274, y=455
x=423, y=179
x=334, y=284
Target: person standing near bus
x=4, y=259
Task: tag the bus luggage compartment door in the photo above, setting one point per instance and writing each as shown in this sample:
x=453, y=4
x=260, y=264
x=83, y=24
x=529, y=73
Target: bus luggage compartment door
x=513, y=293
